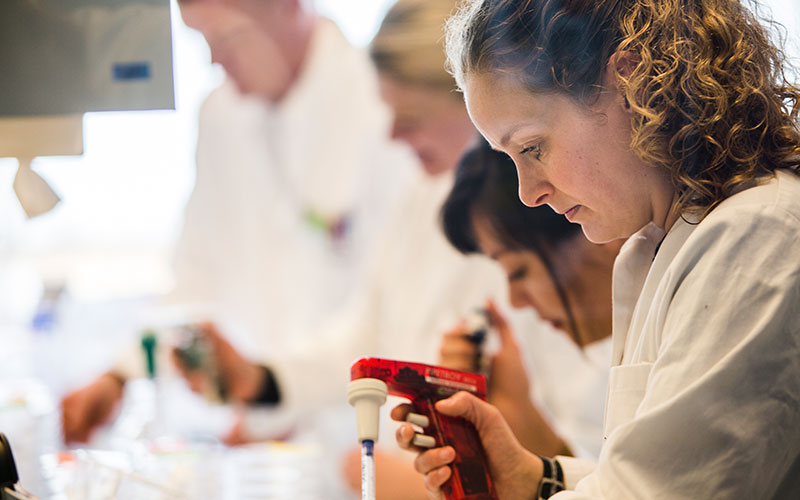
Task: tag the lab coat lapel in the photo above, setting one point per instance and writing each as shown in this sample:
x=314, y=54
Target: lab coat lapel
x=630, y=270
x=666, y=252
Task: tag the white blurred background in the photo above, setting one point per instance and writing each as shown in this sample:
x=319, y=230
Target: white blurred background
x=109, y=240
x=122, y=200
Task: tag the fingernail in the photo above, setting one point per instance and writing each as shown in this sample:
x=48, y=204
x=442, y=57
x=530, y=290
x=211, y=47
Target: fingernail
x=448, y=453
x=443, y=404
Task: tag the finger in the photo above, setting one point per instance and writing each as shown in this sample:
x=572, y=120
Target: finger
x=76, y=430
x=457, y=331
x=197, y=381
x=83, y=435
x=435, y=458
x=69, y=429
x=400, y=411
x=461, y=363
x=208, y=328
x=458, y=352
x=404, y=435
x=458, y=346
x=499, y=323
x=177, y=361
x=70, y=419
x=435, y=479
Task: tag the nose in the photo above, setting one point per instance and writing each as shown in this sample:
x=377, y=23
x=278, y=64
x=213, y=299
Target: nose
x=400, y=132
x=215, y=55
x=396, y=133
x=533, y=189
x=517, y=296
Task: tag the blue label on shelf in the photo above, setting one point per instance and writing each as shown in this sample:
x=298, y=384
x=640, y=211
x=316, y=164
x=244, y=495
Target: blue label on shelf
x=131, y=71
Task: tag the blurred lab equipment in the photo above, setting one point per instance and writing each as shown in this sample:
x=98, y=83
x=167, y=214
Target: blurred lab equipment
x=424, y=385
x=195, y=354
x=85, y=55
x=478, y=325
x=9, y=490
x=68, y=58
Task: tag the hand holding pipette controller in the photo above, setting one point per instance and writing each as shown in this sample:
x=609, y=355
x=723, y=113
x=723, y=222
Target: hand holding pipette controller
x=372, y=378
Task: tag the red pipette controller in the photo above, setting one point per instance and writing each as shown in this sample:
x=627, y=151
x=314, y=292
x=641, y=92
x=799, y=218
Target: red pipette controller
x=424, y=385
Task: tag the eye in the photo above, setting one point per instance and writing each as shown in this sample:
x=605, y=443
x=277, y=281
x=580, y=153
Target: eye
x=518, y=273
x=535, y=149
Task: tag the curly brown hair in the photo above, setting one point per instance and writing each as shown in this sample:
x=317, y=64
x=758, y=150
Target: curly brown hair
x=711, y=100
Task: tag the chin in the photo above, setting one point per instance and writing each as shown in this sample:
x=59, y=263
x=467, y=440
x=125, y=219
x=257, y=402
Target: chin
x=599, y=235
x=433, y=167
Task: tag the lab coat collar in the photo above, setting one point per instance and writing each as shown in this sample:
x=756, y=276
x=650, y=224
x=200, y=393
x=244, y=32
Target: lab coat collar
x=326, y=42
x=641, y=264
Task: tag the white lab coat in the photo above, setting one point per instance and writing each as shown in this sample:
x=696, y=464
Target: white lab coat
x=247, y=257
x=704, y=392
x=568, y=384
x=247, y=249
x=417, y=287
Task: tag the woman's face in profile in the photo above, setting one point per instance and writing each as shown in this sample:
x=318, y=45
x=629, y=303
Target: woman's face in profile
x=584, y=272
x=433, y=123
x=529, y=283
x=574, y=157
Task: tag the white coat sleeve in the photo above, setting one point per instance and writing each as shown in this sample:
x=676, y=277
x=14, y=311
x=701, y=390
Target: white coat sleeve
x=316, y=372
x=720, y=416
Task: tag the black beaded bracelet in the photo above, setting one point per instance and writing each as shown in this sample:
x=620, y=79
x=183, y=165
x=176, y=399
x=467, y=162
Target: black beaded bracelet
x=552, y=479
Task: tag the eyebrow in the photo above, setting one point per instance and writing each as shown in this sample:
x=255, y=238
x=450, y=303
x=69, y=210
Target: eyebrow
x=507, y=137
x=496, y=255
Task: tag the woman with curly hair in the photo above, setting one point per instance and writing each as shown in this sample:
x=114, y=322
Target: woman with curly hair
x=669, y=123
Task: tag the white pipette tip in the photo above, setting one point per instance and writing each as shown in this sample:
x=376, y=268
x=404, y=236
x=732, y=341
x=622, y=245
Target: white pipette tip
x=367, y=470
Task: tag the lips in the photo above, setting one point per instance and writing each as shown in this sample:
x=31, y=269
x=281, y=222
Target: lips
x=570, y=214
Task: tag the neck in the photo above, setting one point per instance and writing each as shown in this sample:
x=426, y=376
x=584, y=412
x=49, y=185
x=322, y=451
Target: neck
x=293, y=32
x=594, y=290
x=298, y=42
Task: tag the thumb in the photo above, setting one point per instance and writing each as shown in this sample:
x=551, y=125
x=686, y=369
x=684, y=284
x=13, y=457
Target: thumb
x=469, y=407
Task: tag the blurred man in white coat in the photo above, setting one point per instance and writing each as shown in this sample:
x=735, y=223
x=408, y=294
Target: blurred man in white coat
x=294, y=170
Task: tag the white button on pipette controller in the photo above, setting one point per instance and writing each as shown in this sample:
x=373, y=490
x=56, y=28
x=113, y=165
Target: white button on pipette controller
x=423, y=441
x=418, y=419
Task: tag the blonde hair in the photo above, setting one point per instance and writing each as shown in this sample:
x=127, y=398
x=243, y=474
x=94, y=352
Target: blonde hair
x=409, y=45
x=711, y=102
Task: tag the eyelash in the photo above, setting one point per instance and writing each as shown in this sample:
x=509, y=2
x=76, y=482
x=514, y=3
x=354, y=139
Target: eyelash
x=517, y=274
x=535, y=149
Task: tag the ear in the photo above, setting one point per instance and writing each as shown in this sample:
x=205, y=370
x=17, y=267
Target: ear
x=623, y=62
x=619, y=68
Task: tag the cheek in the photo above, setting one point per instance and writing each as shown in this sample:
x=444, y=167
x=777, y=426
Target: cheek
x=546, y=297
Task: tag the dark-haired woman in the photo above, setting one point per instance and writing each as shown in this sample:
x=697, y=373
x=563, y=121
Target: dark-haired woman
x=669, y=123
x=552, y=269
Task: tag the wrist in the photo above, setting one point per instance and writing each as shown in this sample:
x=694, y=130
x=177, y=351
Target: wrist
x=113, y=380
x=526, y=475
x=552, y=480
